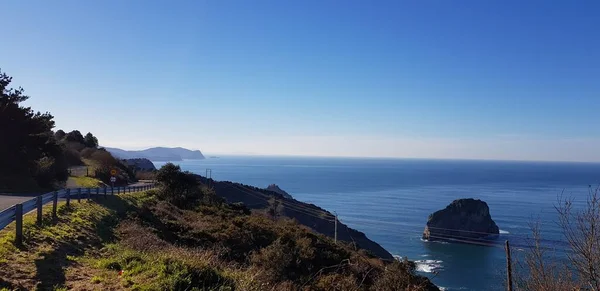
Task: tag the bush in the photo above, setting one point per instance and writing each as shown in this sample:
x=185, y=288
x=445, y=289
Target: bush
x=72, y=157
x=177, y=187
x=49, y=171
x=275, y=259
x=145, y=175
x=88, y=152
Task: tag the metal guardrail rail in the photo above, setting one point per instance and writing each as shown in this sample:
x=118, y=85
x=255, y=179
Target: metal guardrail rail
x=16, y=212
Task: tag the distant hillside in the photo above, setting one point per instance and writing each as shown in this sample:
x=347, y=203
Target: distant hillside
x=310, y=215
x=158, y=154
x=142, y=164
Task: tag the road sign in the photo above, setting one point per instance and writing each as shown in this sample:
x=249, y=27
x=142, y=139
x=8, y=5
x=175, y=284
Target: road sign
x=113, y=172
x=113, y=179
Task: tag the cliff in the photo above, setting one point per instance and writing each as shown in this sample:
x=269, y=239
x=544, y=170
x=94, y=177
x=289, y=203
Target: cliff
x=464, y=220
x=140, y=164
x=276, y=189
x=310, y=215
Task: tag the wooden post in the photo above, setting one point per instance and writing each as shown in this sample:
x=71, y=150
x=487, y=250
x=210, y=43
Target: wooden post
x=19, y=224
x=54, y=203
x=335, y=227
x=89, y=194
x=68, y=197
x=39, y=210
x=79, y=195
x=97, y=192
x=112, y=190
x=104, y=192
x=509, y=285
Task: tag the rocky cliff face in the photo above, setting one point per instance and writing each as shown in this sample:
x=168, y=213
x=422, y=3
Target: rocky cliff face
x=141, y=164
x=464, y=220
x=276, y=189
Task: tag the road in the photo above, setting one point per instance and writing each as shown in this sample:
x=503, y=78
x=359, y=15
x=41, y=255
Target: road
x=8, y=200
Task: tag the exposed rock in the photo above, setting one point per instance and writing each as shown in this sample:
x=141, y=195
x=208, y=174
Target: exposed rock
x=276, y=189
x=141, y=164
x=464, y=220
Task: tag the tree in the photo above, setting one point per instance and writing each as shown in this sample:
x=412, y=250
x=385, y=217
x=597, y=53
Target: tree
x=176, y=186
x=74, y=136
x=28, y=149
x=59, y=135
x=90, y=140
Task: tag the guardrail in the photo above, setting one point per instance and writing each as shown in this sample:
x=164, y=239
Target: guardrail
x=16, y=212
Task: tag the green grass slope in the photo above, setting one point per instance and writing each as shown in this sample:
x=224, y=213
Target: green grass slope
x=138, y=242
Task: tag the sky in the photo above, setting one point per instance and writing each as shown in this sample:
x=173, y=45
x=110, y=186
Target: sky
x=502, y=80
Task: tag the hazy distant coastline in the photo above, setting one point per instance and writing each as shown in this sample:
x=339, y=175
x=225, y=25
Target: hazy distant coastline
x=158, y=154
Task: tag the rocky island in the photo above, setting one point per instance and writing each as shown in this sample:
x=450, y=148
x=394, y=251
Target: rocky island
x=464, y=220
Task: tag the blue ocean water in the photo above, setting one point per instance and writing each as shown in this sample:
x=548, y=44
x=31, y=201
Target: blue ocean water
x=390, y=200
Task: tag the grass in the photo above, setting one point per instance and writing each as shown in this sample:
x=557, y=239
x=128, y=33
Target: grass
x=87, y=182
x=138, y=242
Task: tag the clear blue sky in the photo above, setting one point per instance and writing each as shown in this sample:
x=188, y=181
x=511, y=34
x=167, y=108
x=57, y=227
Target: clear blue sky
x=427, y=79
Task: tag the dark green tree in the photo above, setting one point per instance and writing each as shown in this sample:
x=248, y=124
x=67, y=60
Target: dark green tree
x=29, y=153
x=74, y=136
x=90, y=140
x=59, y=135
x=176, y=186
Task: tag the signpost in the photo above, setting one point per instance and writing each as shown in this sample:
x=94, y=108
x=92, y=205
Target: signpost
x=113, y=179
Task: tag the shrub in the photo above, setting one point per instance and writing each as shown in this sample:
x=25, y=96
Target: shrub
x=274, y=259
x=177, y=187
x=72, y=157
x=145, y=175
x=88, y=152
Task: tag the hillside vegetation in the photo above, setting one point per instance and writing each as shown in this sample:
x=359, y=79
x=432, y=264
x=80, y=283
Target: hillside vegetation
x=35, y=158
x=183, y=237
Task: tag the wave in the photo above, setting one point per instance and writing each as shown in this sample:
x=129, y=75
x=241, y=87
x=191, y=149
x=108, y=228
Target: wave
x=435, y=241
x=429, y=266
x=504, y=232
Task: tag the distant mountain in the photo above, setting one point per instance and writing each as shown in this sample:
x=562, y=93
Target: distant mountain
x=158, y=154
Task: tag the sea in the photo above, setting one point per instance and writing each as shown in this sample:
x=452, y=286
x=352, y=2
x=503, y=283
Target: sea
x=390, y=200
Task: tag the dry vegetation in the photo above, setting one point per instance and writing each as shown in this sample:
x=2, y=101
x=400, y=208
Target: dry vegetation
x=543, y=268
x=140, y=242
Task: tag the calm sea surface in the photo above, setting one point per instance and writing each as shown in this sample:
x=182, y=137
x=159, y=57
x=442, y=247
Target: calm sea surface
x=390, y=199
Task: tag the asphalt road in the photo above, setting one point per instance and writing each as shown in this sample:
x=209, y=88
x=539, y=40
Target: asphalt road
x=8, y=200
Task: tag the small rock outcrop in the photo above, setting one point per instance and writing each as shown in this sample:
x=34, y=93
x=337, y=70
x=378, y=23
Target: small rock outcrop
x=276, y=189
x=464, y=220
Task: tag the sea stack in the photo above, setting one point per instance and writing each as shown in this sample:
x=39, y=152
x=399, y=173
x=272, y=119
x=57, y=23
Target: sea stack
x=464, y=220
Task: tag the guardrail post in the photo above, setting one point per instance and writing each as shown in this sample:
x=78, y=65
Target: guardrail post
x=79, y=195
x=39, y=205
x=112, y=190
x=89, y=194
x=118, y=190
x=104, y=192
x=97, y=192
x=19, y=224
x=54, y=203
x=68, y=197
